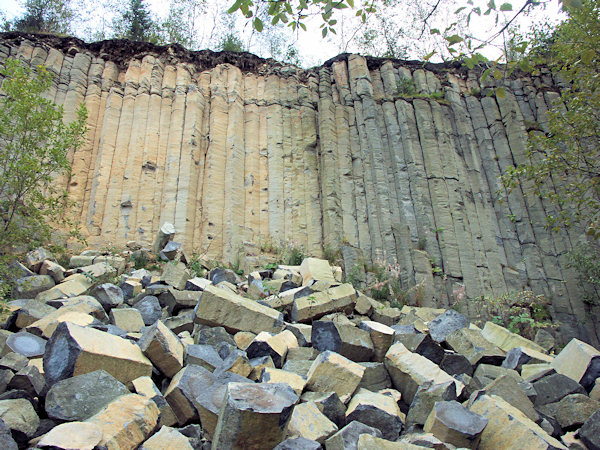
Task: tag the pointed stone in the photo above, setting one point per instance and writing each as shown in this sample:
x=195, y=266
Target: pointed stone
x=329, y=403
x=589, y=433
x=149, y=308
x=382, y=337
x=146, y=387
x=472, y=345
x=347, y=340
x=73, y=350
x=254, y=415
x=109, y=295
x=218, y=307
x=28, y=379
x=518, y=356
x=332, y=372
x=580, y=362
x=376, y=410
x=347, y=438
x=425, y=399
x=507, y=388
x=165, y=234
x=35, y=258
x=446, y=323
x=56, y=271
x=454, y=424
x=163, y=348
x=505, y=340
x=423, y=345
x=276, y=346
x=203, y=355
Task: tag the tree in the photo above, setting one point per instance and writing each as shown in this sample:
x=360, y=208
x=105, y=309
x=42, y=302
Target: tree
x=231, y=43
x=34, y=143
x=564, y=161
x=136, y=23
x=47, y=16
x=179, y=27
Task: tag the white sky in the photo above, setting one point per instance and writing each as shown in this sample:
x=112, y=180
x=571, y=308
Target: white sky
x=314, y=50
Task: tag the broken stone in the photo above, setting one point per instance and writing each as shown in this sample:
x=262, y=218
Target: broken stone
x=183, y=321
x=552, y=388
x=46, y=326
x=165, y=234
x=386, y=315
x=13, y=361
x=446, y=323
x=347, y=438
x=56, y=271
x=35, y=258
x=80, y=397
x=254, y=415
x=149, y=308
x=314, y=269
x=197, y=284
x=423, y=345
x=376, y=410
x=26, y=344
x=167, y=437
x=126, y=422
x=29, y=380
x=83, y=303
x=347, y=340
x=454, y=424
x=20, y=416
x=213, y=336
x=544, y=339
x=218, y=307
x=455, y=364
x=508, y=427
x=175, y=300
x=574, y=410
x=315, y=306
x=409, y=370
x=218, y=275
x=108, y=295
x=273, y=375
x=97, y=270
x=203, y=355
x=329, y=404
x=127, y=319
x=72, y=286
x=507, y=388
x=472, y=345
x=275, y=346
x=243, y=339
x=425, y=399
x=169, y=252
x=31, y=312
x=175, y=274
x=74, y=350
x=580, y=362
x=237, y=362
x=486, y=373
x=258, y=364
x=146, y=387
x=505, y=340
x=382, y=337
x=518, y=356
x=309, y=422
x=131, y=288
x=589, y=433
x=298, y=443
x=30, y=287
x=163, y=348
x=71, y=435
x=332, y=372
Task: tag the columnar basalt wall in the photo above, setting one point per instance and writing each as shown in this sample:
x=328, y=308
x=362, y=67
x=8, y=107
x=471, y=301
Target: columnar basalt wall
x=233, y=149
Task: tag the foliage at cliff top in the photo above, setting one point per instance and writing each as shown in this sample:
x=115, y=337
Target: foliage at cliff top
x=34, y=150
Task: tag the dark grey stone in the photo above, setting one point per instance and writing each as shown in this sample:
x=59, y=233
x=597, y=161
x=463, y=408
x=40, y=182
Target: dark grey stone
x=459, y=419
x=8, y=443
x=298, y=443
x=446, y=323
x=347, y=437
x=423, y=345
x=554, y=387
x=149, y=308
x=425, y=399
x=28, y=379
x=194, y=434
x=26, y=344
x=214, y=336
x=589, y=433
x=219, y=274
x=170, y=250
x=515, y=358
x=390, y=425
x=404, y=329
x=259, y=348
x=109, y=295
x=29, y=287
x=375, y=377
x=203, y=355
x=325, y=336
x=455, y=364
x=329, y=404
x=80, y=397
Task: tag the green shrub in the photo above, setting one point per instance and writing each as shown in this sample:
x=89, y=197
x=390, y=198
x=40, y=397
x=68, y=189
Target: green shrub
x=585, y=259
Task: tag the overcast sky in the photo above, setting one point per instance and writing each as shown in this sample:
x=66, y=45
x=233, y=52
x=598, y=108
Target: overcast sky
x=314, y=50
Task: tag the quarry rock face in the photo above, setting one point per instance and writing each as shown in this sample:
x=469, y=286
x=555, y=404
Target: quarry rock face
x=228, y=149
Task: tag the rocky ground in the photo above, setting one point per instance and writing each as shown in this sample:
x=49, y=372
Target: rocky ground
x=288, y=357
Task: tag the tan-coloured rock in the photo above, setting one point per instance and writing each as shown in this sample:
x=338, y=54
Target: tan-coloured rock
x=386, y=315
x=146, y=387
x=309, y=422
x=505, y=340
x=243, y=339
x=531, y=370
x=376, y=410
x=217, y=307
x=276, y=346
x=580, y=362
x=46, y=326
x=472, y=345
x=127, y=319
x=167, y=437
x=163, y=348
x=273, y=375
x=72, y=435
x=409, y=371
x=507, y=388
x=381, y=335
x=314, y=269
x=175, y=274
x=72, y=286
x=318, y=304
x=508, y=427
x=88, y=350
x=332, y=372
x=56, y=271
x=32, y=311
x=18, y=414
x=254, y=416
x=97, y=270
x=127, y=421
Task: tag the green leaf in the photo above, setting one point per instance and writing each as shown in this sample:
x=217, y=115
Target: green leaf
x=324, y=32
x=275, y=19
x=434, y=31
x=454, y=39
x=302, y=26
x=460, y=9
x=485, y=74
x=258, y=25
x=500, y=93
x=506, y=7
x=351, y=3
x=234, y=7
x=588, y=56
x=428, y=56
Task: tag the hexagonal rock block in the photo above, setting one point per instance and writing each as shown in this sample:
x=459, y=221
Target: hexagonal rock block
x=589, y=433
x=451, y=422
x=273, y=375
x=254, y=416
x=505, y=340
x=167, y=437
x=314, y=269
x=28, y=379
x=574, y=410
x=236, y=362
x=425, y=399
x=382, y=337
x=71, y=435
x=580, y=362
x=74, y=350
x=30, y=287
x=82, y=396
x=175, y=300
x=554, y=387
x=472, y=345
x=26, y=344
x=347, y=340
x=376, y=410
x=409, y=371
x=276, y=346
x=146, y=387
x=446, y=323
x=518, y=356
x=127, y=319
x=163, y=348
x=507, y=388
x=347, y=437
x=109, y=295
x=309, y=422
x=218, y=307
x=126, y=422
x=332, y=372
x=149, y=308
x=318, y=304
x=376, y=377
x=508, y=427
x=56, y=271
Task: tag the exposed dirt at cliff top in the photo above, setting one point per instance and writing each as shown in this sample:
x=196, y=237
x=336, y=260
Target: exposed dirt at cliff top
x=121, y=51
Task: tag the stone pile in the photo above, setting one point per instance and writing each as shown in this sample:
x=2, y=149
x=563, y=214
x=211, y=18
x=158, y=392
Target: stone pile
x=286, y=358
